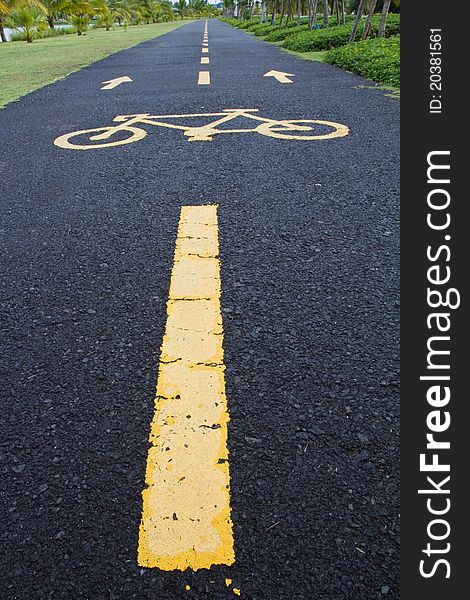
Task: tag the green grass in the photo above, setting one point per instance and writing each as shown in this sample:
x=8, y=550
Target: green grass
x=392, y=92
x=318, y=56
x=27, y=67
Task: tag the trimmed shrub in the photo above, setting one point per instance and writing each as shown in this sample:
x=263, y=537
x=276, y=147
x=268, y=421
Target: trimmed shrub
x=247, y=24
x=277, y=35
x=19, y=36
x=262, y=30
x=377, y=59
x=334, y=37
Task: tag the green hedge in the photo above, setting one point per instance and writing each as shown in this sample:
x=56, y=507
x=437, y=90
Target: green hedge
x=377, y=59
x=247, y=24
x=262, y=30
x=277, y=35
x=333, y=37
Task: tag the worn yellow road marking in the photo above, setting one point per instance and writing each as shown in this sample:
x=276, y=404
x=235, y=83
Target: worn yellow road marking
x=204, y=78
x=112, y=83
x=280, y=76
x=204, y=60
x=186, y=506
x=205, y=50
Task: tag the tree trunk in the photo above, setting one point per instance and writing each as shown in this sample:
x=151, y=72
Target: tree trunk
x=383, y=20
x=3, y=35
x=337, y=11
x=325, y=13
x=312, y=13
x=50, y=20
x=360, y=10
x=299, y=11
x=343, y=13
x=281, y=16
x=366, y=32
x=290, y=12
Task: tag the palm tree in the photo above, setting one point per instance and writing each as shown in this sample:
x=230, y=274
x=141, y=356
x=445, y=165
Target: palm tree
x=27, y=20
x=181, y=8
x=53, y=8
x=112, y=11
x=81, y=11
x=163, y=12
x=7, y=6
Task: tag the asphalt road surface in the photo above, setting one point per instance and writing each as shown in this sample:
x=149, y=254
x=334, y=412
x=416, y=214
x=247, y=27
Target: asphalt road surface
x=308, y=236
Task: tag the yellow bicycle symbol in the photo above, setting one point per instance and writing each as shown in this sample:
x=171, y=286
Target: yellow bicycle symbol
x=126, y=133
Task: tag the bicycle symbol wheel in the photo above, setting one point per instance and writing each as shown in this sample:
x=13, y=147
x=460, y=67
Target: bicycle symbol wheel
x=89, y=141
x=290, y=130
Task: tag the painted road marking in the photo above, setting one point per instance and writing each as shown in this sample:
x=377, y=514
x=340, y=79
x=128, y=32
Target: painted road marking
x=205, y=50
x=205, y=44
x=204, y=60
x=186, y=504
x=123, y=130
x=280, y=76
x=112, y=83
x=204, y=78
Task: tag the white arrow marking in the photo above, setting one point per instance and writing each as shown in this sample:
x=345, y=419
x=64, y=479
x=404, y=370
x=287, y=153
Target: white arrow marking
x=112, y=83
x=280, y=76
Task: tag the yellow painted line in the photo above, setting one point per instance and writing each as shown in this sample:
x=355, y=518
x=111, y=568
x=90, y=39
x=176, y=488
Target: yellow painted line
x=205, y=50
x=186, y=505
x=204, y=78
x=204, y=60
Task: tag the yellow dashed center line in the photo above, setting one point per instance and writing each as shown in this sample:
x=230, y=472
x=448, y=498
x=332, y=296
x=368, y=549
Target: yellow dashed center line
x=205, y=50
x=186, y=504
x=204, y=78
x=204, y=60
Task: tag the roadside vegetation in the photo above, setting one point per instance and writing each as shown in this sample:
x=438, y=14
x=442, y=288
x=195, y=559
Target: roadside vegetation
x=37, y=19
x=27, y=67
x=377, y=59
x=98, y=27
x=361, y=36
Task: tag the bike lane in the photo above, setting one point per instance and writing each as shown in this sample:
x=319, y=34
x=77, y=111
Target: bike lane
x=308, y=251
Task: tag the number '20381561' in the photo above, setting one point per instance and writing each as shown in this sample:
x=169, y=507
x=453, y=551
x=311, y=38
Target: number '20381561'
x=435, y=71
